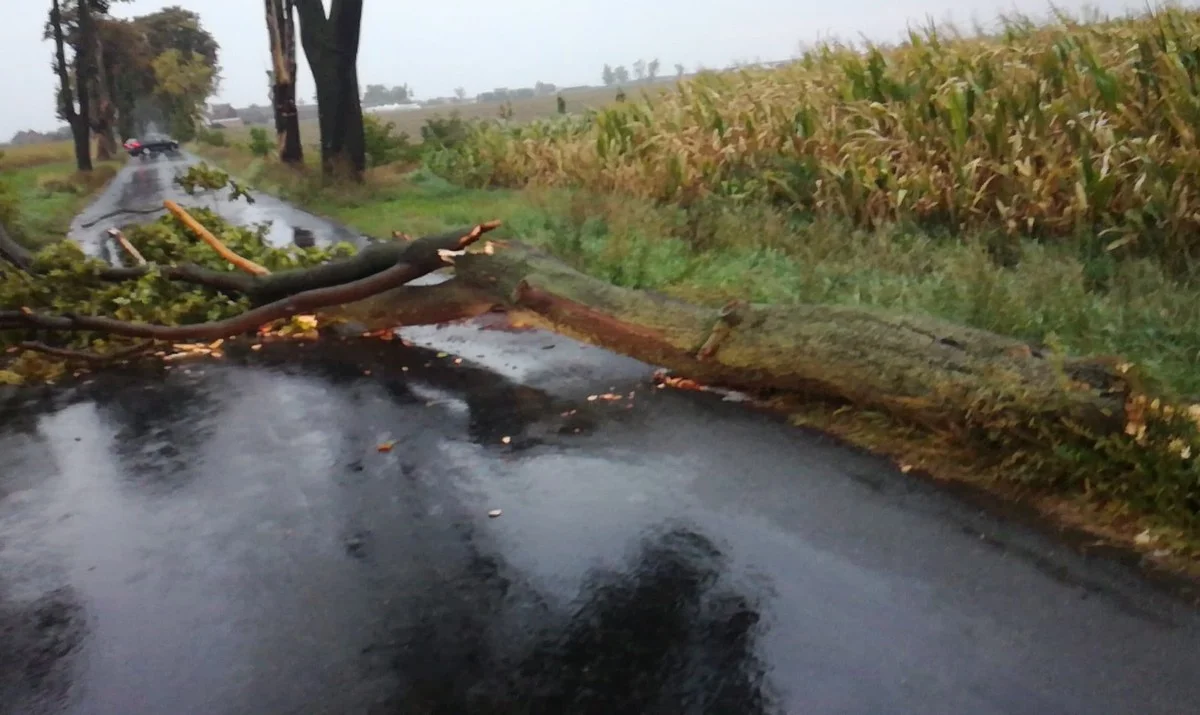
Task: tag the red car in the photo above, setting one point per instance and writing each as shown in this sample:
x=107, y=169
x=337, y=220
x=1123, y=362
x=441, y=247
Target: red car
x=154, y=144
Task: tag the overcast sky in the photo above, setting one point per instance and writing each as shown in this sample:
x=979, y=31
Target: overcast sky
x=483, y=44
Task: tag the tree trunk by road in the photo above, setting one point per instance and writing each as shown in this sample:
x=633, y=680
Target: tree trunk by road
x=76, y=117
x=281, y=28
x=331, y=46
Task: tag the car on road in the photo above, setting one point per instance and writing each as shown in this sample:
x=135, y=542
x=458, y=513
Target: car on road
x=151, y=145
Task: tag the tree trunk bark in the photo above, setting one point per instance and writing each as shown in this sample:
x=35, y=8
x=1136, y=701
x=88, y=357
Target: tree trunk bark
x=103, y=128
x=281, y=28
x=76, y=118
x=922, y=370
x=331, y=46
x=104, y=117
x=82, y=135
x=81, y=127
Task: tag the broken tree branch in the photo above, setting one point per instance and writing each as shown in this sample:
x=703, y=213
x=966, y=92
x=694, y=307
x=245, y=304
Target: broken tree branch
x=86, y=356
x=205, y=235
x=425, y=260
x=15, y=253
x=370, y=260
x=127, y=246
x=264, y=289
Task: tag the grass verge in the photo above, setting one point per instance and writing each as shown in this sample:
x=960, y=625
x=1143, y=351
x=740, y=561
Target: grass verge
x=41, y=192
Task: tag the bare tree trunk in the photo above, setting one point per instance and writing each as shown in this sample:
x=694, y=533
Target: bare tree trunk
x=104, y=116
x=281, y=27
x=331, y=46
x=77, y=118
x=83, y=77
x=922, y=370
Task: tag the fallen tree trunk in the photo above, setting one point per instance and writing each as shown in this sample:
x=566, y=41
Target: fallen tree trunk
x=921, y=370
x=925, y=371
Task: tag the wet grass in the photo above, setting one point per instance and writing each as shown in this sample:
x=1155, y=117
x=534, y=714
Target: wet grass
x=25, y=156
x=41, y=192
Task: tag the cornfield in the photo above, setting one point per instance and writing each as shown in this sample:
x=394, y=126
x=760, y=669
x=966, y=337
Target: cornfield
x=1052, y=129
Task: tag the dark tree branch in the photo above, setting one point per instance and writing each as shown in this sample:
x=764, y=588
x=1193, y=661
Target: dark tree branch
x=86, y=356
x=223, y=281
x=14, y=252
x=374, y=258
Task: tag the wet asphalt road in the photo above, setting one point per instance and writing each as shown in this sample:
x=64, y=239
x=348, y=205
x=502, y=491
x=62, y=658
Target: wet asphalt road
x=226, y=537
x=142, y=186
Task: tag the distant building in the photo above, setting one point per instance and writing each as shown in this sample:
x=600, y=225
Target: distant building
x=234, y=121
x=407, y=107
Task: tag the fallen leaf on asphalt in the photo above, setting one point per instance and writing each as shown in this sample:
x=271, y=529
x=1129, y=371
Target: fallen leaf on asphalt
x=386, y=446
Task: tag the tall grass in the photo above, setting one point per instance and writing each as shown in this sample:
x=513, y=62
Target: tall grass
x=25, y=156
x=1057, y=129
x=40, y=190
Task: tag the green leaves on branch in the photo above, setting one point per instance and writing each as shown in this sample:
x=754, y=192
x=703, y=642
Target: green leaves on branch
x=67, y=281
x=205, y=177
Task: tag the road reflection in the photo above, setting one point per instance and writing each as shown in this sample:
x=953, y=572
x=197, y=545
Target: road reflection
x=664, y=633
